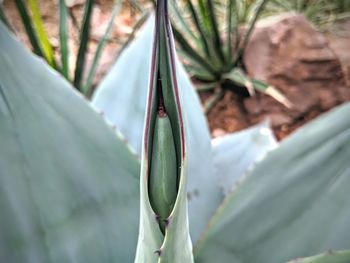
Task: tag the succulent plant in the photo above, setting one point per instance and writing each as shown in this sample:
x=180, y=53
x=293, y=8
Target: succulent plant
x=211, y=39
x=70, y=188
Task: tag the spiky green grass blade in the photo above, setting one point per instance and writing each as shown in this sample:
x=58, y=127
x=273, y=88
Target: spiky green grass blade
x=199, y=28
x=41, y=33
x=177, y=14
x=84, y=41
x=88, y=86
x=63, y=34
x=22, y=9
x=192, y=53
x=250, y=26
x=204, y=17
x=229, y=29
x=217, y=43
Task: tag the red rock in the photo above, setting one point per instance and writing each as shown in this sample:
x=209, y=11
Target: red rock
x=287, y=52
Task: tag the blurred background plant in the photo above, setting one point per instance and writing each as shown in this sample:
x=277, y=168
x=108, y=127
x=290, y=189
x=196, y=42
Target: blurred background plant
x=211, y=37
x=60, y=58
x=322, y=13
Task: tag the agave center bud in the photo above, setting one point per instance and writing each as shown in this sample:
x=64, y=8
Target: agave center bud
x=162, y=182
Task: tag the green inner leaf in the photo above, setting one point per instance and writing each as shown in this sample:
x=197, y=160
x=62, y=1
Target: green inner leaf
x=163, y=239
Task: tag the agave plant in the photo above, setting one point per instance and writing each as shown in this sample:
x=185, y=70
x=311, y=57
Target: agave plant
x=212, y=40
x=111, y=96
x=86, y=202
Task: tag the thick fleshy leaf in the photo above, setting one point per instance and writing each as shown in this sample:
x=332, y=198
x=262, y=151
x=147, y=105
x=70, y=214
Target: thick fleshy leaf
x=295, y=202
x=69, y=187
x=122, y=97
x=327, y=257
x=234, y=154
x=122, y=94
x=163, y=237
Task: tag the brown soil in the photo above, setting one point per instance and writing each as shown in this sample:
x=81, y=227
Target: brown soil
x=229, y=115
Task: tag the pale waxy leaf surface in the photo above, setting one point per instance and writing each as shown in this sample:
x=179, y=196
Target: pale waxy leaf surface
x=122, y=97
x=69, y=187
x=327, y=257
x=237, y=152
x=295, y=202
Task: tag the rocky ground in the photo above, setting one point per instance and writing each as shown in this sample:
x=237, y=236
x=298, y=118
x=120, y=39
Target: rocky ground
x=311, y=68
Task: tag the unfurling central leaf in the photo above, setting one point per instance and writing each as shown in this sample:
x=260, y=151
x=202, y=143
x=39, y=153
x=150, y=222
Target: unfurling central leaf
x=164, y=235
x=163, y=173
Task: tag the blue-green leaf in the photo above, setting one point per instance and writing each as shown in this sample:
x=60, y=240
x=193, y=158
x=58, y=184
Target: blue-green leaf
x=295, y=203
x=235, y=153
x=69, y=187
x=326, y=257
